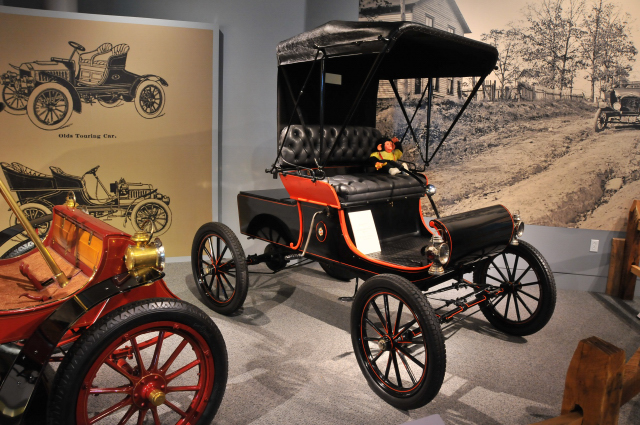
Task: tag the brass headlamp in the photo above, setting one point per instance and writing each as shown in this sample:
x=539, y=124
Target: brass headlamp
x=518, y=226
x=438, y=253
x=145, y=254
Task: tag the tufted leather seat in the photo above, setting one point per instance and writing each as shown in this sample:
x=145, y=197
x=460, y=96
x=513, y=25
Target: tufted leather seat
x=302, y=147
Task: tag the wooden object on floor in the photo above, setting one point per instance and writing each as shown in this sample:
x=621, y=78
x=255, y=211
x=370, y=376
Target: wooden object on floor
x=598, y=383
x=631, y=253
x=615, y=267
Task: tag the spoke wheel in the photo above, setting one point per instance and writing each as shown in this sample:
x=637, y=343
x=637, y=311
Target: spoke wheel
x=220, y=268
x=50, y=106
x=150, y=99
x=159, y=360
x=600, y=122
x=151, y=211
x=32, y=211
x=528, y=290
x=397, y=341
x=15, y=100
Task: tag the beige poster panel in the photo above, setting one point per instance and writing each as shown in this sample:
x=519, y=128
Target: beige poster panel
x=133, y=99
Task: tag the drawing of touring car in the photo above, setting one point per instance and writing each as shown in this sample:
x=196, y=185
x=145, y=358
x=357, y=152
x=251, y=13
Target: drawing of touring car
x=50, y=91
x=38, y=193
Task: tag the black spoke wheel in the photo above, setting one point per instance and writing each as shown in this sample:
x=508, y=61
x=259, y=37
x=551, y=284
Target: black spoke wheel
x=150, y=99
x=338, y=272
x=50, y=106
x=219, y=268
x=528, y=290
x=15, y=100
x=600, y=122
x=397, y=341
x=151, y=211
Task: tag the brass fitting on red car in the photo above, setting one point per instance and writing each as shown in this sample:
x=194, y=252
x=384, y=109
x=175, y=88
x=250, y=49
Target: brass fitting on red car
x=438, y=253
x=518, y=229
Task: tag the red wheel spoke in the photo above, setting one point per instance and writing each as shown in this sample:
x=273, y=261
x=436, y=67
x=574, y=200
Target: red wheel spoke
x=173, y=357
x=404, y=328
x=406, y=366
x=128, y=415
x=175, y=408
x=184, y=388
x=386, y=372
x=107, y=412
x=141, y=415
x=136, y=352
x=387, y=315
x=156, y=418
x=413, y=359
x=221, y=286
x=398, y=314
x=221, y=255
x=182, y=370
x=156, y=354
x=127, y=390
x=376, y=357
x=121, y=371
x=375, y=328
x=396, y=368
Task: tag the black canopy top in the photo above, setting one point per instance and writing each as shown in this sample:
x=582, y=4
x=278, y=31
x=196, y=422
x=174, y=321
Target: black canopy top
x=415, y=51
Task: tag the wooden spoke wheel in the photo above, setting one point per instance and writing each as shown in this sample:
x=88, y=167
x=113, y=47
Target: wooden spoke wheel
x=159, y=360
x=219, y=268
x=397, y=341
x=528, y=290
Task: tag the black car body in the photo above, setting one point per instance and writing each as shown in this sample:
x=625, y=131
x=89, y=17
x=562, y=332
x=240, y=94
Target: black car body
x=623, y=106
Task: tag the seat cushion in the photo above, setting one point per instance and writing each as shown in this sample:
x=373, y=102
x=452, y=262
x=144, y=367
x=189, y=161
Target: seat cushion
x=359, y=189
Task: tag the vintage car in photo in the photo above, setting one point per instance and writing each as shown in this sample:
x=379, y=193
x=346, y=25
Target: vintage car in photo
x=623, y=106
x=49, y=92
x=138, y=203
x=90, y=332
x=336, y=208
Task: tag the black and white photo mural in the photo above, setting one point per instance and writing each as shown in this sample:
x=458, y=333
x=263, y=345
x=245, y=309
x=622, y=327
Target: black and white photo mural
x=554, y=132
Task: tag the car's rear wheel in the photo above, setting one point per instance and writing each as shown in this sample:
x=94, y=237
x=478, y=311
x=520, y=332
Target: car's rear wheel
x=600, y=122
x=15, y=101
x=150, y=99
x=50, y=106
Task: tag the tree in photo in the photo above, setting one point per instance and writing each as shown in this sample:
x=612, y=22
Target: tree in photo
x=372, y=9
x=607, y=49
x=552, y=37
x=508, y=43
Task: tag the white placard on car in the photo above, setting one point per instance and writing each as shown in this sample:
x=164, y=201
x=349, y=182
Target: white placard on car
x=364, y=231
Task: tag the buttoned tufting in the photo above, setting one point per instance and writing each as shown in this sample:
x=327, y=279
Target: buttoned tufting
x=354, y=147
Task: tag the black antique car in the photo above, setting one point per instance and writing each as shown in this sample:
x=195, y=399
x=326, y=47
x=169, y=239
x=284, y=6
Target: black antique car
x=38, y=193
x=358, y=222
x=50, y=91
x=623, y=106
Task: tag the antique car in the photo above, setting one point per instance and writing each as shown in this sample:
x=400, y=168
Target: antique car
x=38, y=193
x=336, y=208
x=92, y=300
x=623, y=106
x=50, y=91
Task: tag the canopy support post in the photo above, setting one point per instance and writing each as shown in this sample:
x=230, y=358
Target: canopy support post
x=406, y=117
x=429, y=105
x=466, y=103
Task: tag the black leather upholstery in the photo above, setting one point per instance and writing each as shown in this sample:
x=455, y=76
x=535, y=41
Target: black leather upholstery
x=302, y=145
x=355, y=147
x=361, y=189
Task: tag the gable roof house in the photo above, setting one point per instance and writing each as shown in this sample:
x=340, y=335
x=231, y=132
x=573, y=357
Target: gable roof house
x=440, y=14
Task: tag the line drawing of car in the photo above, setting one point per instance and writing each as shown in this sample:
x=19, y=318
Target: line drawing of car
x=50, y=91
x=38, y=193
x=623, y=106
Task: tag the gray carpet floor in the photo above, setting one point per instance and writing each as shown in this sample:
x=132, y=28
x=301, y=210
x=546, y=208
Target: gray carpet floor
x=291, y=360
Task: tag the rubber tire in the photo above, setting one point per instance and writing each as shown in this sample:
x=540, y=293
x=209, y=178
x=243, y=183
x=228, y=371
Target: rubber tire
x=137, y=101
x=547, y=303
x=158, y=204
x=338, y=272
x=32, y=103
x=436, y=351
x=598, y=125
x=18, y=249
x=242, y=270
x=63, y=398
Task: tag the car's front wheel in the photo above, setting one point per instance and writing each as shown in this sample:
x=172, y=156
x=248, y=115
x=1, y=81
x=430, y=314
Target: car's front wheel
x=50, y=106
x=600, y=122
x=14, y=100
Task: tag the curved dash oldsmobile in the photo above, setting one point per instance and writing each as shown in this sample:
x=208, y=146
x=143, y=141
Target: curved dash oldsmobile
x=50, y=91
x=360, y=222
x=92, y=300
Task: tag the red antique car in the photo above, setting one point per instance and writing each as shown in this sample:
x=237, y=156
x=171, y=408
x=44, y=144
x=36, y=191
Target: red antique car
x=91, y=300
x=335, y=208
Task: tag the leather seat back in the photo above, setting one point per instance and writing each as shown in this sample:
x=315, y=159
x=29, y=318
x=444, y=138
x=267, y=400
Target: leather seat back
x=302, y=145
